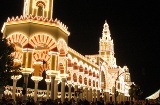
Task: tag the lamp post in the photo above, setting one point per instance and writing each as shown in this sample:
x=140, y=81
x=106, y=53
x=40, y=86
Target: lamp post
x=115, y=94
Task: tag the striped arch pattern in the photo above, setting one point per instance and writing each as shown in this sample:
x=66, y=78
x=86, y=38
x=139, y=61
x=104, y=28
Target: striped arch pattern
x=47, y=40
x=75, y=77
x=80, y=79
x=40, y=57
x=17, y=55
x=41, y=2
x=80, y=72
x=18, y=38
x=62, y=47
x=61, y=68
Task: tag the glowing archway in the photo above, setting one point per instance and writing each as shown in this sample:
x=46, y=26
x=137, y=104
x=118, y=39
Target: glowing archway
x=42, y=40
x=18, y=38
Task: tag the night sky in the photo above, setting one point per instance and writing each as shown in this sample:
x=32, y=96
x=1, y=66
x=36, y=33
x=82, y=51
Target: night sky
x=134, y=27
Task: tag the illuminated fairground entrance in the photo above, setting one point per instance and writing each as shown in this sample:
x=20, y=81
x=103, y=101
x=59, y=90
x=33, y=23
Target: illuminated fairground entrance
x=41, y=45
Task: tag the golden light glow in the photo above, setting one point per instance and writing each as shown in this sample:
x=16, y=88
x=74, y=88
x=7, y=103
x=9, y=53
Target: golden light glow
x=36, y=20
x=52, y=72
x=27, y=70
x=16, y=77
x=36, y=78
x=18, y=38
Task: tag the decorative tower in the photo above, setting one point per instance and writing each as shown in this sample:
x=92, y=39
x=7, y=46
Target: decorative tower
x=106, y=46
x=127, y=74
x=38, y=39
x=38, y=8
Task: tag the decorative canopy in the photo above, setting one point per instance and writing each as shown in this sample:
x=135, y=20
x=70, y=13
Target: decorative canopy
x=154, y=95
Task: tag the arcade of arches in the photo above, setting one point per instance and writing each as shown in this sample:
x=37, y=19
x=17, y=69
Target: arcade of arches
x=41, y=45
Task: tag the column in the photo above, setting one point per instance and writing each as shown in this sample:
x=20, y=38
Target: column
x=98, y=95
x=81, y=94
x=108, y=96
x=123, y=97
x=86, y=89
x=35, y=90
x=24, y=60
x=26, y=85
x=36, y=79
x=69, y=91
x=53, y=71
x=120, y=97
x=63, y=89
x=29, y=60
x=113, y=98
x=90, y=95
x=55, y=89
x=14, y=89
x=75, y=89
x=94, y=93
x=105, y=97
x=52, y=87
x=48, y=88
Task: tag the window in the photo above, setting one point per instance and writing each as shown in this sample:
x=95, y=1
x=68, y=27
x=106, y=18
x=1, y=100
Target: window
x=40, y=11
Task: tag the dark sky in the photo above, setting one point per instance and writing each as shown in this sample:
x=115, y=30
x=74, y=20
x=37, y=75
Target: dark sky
x=134, y=26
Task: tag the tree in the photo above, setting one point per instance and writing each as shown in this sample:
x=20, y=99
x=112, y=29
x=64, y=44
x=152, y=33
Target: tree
x=135, y=92
x=7, y=68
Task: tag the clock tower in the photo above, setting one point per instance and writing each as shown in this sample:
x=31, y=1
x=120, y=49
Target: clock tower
x=38, y=8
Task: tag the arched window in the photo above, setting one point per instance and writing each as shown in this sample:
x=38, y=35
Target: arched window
x=40, y=10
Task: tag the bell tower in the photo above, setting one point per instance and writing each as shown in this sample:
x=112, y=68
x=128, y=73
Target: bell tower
x=106, y=46
x=38, y=8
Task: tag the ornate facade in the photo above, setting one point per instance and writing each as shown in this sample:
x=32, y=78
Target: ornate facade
x=41, y=45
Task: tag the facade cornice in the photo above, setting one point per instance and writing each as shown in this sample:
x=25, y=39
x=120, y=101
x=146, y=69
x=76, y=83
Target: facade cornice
x=78, y=55
x=37, y=20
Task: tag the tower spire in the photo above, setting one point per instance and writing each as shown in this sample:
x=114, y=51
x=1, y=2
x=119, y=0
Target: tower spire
x=38, y=8
x=106, y=31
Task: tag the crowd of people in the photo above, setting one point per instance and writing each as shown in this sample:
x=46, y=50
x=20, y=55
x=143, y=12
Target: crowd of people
x=30, y=101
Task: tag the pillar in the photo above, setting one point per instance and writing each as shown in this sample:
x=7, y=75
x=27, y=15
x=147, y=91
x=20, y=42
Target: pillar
x=94, y=93
x=14, y=89
x=120, y=97
x=75, y=89
x=90, y=95
x=53, y=66
x=24, y=60
x=105, y=96
x=55, y=89
x=63, y=89
x=69, y=91
x=81, y=94
x=52, y=86
x=26, y=85
x=86, y=91
x=113, y=97
x=35, y=90
x=29, y=60
x=48, y=88
x=98, y=95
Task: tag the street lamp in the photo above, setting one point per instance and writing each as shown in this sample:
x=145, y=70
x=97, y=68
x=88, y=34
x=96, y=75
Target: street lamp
x=115, y=94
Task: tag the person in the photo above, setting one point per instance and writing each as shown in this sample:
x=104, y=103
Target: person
x=73, y=102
